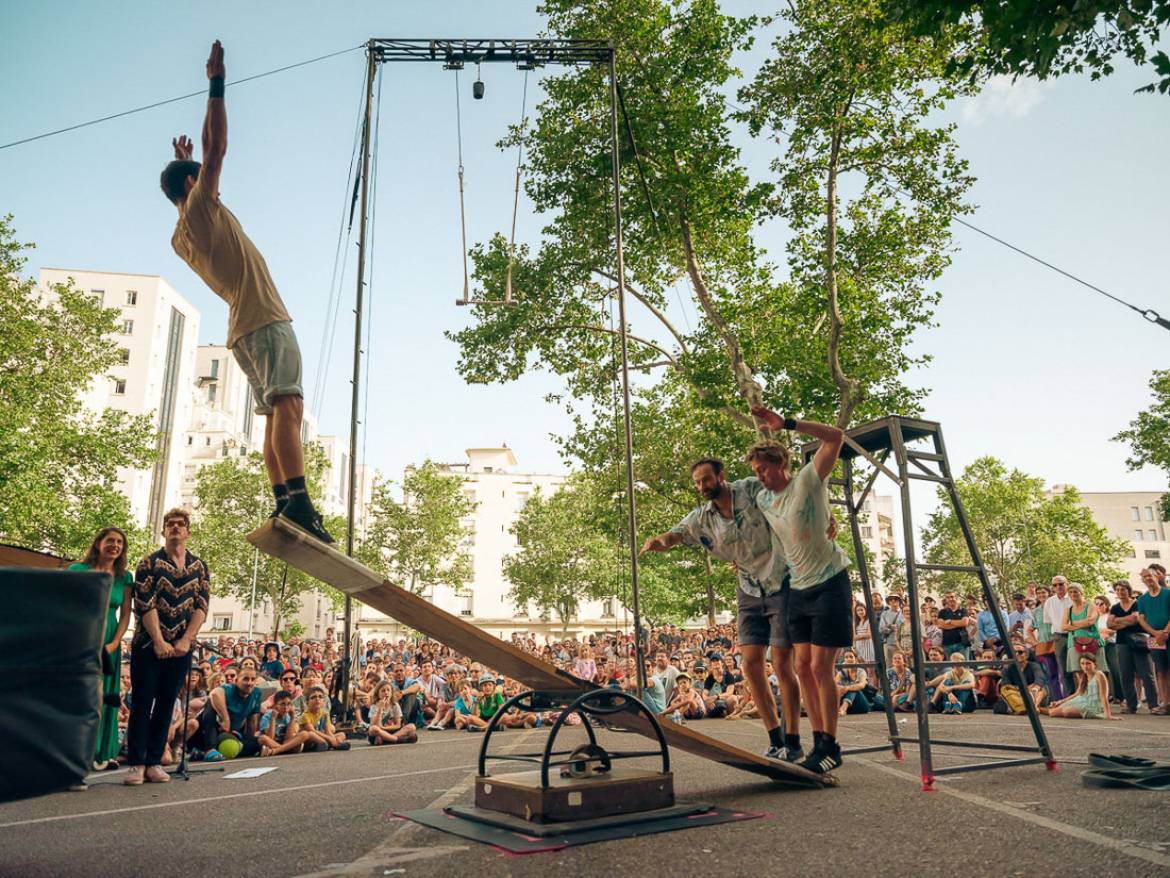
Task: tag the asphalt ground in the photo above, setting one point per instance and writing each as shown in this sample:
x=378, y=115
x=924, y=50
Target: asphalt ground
x=333, y=814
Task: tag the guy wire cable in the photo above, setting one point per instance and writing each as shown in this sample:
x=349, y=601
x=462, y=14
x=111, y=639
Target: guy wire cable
x=373, y=253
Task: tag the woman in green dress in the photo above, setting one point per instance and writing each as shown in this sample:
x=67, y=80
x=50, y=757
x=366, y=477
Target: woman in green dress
x=107, y=554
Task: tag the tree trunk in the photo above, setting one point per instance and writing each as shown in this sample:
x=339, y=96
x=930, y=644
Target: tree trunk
x=844, y=384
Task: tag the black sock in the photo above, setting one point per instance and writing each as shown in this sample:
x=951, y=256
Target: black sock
x=776, y=737
x=298, y=495
x=792, y=741
x=280, y=492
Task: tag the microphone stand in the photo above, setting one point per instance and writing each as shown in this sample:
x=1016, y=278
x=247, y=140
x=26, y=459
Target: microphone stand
x=181, y=769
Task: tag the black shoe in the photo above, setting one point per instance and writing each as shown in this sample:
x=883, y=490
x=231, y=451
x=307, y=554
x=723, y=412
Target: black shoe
x=280, y=507
x=773, y=753
x=793, y=754
x=309, y=522
x=822, y=760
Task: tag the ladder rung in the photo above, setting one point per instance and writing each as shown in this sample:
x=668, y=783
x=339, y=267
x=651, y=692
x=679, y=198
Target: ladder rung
x=925, y=478
x=983, y=766
x=948, y=568
x=923, y=455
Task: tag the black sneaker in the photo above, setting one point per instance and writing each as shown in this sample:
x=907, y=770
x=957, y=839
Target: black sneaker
x=309, y=522
x=822, y=760
x=773, y=753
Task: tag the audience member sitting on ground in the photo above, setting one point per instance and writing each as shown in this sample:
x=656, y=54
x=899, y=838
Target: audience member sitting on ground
x=1020, y=673
x=278, y=728
x=316, y=722
x=987, y=680
x=851, y=684
x=1091, y=699
x=956, y=690
x=386, y=726
x=490, y=700
x=233, y=708
x=686, y=703
x=466, y=713
x=901, y=682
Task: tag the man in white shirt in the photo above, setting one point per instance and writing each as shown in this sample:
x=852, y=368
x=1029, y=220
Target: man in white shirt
x=1055, y=609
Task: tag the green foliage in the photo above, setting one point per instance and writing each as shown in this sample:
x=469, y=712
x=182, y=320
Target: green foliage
x=1148, y=435
x=850, y=97
x=1021, y=533
x=562, y=560
x=410, y=542
x=1045, y=38
x=232, y=497
x=58, y=461
x=689, y=232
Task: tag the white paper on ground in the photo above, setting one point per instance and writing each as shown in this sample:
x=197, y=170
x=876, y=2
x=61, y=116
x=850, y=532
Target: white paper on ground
x=249, y=772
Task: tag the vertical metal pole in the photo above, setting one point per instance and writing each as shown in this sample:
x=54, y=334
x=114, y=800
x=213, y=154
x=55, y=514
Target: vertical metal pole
x=989, y=597
x=867, y=596
x=621, y=298
x=921, y=699
x=252, y=600
x=371, y=64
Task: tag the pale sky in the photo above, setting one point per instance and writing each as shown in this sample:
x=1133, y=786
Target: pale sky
x=1028, y=365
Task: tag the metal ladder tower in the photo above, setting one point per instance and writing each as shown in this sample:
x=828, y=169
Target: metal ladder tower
x=874, y=443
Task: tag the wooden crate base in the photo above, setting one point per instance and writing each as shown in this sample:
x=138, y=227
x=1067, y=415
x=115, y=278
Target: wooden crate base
x=619, y=791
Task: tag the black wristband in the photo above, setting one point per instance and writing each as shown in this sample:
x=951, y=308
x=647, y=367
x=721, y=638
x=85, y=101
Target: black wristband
x=215, y=89
x=789, y=423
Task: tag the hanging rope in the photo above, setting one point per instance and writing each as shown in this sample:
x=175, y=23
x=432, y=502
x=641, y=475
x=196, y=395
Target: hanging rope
x=516, y=196
x=462, y=213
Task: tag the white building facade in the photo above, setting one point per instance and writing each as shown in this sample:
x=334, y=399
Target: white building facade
x=1134, y=517
x=491, y=481
x=158, y=333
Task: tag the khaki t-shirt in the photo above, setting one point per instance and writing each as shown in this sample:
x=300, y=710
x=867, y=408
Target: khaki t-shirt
x=209, y=238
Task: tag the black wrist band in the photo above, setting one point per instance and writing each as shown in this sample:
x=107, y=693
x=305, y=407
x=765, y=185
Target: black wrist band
x=789, y=423
x=215, y=89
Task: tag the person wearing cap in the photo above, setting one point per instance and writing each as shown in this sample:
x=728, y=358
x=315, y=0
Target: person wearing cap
x=490, y=698
x=731, y=527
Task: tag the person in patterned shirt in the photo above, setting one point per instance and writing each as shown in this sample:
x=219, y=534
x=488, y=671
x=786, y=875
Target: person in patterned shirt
x=731, y=527
x=171, y=590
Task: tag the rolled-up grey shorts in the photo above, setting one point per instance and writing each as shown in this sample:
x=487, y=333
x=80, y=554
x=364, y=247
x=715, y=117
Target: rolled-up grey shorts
x=271, y=358
x=763, y=621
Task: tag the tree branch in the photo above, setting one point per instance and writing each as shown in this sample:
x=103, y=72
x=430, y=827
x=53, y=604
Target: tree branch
x=651, y=307
x=745, y=381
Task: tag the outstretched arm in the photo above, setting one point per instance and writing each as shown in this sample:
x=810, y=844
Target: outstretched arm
x=832, y=438
x=662, y=542
x=214, y=124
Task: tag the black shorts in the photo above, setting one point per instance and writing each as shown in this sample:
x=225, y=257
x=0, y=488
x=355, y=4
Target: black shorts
x=763, y=621
x=822, y=615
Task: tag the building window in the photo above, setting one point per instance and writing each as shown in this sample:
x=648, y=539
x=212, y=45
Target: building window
x=124, y=354
x=211, y=389
x=1153, y=553
x=221, y=622
x=1149, y=513
x=243, y=451
x=131, y=297
x=866, y=532
x=1137, y=536
x=190, y=440
x=207, y=443
x=465, y=608
x=119, y=387
x=1152, y=535
x=99, y=296
x=1135, y=514
x=127, y=327
x=607, y=608
x=521, y=499
x=215, y=368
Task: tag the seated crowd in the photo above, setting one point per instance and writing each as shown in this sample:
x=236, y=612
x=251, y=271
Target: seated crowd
x=272, y=698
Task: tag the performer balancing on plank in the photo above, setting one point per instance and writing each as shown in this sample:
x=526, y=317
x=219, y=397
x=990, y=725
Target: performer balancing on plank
x=209, y=239
x=731, y=527
x=820, y=600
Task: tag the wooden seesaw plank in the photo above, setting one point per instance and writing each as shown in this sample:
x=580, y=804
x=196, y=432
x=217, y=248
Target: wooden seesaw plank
x=285, y=541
